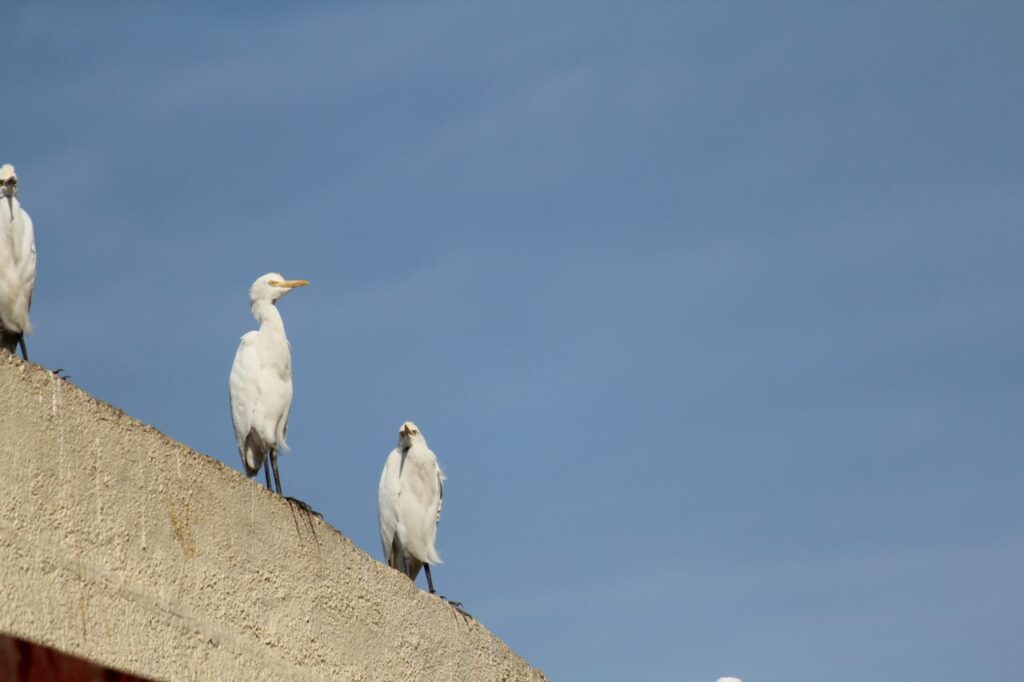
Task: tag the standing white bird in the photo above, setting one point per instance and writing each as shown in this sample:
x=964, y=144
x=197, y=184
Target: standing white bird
x=17, y=265
x=409, y=504
x=260, y=384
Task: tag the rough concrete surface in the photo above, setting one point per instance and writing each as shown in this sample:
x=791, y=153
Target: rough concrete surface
x=120, y=545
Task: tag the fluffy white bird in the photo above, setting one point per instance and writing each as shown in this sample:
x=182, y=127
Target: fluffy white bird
x=17, y=265
x=260, y=384
x=409, y=504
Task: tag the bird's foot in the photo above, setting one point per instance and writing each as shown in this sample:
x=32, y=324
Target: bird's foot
x=58, y=373
x=303, y=506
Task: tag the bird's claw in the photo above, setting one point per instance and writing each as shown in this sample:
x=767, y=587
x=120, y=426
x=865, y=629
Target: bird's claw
x=303, y=506
x=58, y=373
x=457, y=605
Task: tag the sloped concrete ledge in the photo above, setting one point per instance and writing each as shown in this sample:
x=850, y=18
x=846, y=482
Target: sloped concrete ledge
x=122, y=546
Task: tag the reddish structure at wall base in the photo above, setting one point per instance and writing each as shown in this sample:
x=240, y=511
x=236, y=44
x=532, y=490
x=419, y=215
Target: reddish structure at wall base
x=22, y=661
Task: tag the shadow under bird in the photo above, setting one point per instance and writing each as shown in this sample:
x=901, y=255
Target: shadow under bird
x=17, y=265
x=409, y=506
x=260, y=385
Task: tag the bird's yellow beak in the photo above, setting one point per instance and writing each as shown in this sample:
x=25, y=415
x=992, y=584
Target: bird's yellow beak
x=290, y=284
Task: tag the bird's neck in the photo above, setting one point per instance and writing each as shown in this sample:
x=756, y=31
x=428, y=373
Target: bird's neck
x=267, y=315
x=412, y=443
x=11, y=208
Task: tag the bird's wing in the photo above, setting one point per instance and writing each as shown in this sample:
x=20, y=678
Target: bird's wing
x=17, y=271
x=244, y=391
x=440, y=495
x=275, y=387
x=282, y=391
x=8, y=281
x=387, y=504
x=27, y=260
x=420, y=502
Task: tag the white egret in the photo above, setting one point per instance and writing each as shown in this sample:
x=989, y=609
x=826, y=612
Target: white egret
x=409, y=506
x=17, y=265
x=260, y=384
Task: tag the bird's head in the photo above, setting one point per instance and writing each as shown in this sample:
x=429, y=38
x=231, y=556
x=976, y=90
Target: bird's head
x=8, y=180
x=8, y=186
x=408, y=434
x=273, y=286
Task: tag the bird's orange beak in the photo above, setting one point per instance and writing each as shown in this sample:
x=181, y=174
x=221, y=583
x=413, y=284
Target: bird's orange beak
x=290, y=284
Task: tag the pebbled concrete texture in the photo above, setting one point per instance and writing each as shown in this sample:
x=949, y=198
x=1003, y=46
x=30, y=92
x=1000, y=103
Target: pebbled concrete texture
x=122, y=546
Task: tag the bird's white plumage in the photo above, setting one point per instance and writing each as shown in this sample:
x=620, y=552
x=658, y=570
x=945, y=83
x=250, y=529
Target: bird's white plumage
x=17, y=258
x=260, y=384
x=409, y=503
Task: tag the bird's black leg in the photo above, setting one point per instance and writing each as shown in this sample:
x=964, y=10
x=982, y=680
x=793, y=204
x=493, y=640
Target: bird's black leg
x=266, y=472
x=277, y=476
x=430, y=581
x=21, y=342
x=457, y=605
x=294, y=500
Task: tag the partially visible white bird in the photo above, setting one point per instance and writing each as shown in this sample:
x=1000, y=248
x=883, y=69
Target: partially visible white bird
x=729, y=679
x=17, y=265
x=409, y=505
x=260, y=384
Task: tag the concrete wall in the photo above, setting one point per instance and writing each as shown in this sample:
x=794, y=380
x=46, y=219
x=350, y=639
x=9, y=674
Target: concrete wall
x=122, y=546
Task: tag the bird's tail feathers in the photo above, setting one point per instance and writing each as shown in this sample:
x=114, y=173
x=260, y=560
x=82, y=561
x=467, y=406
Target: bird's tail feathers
x=253, y=462
x=400, y=561
x=9, y=341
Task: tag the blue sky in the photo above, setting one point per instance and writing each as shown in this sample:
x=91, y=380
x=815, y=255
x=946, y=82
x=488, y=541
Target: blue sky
x=711, y=311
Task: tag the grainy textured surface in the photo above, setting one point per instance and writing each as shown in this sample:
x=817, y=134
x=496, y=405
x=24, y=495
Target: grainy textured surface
x=122, y=546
